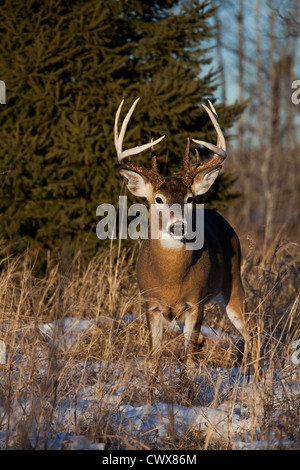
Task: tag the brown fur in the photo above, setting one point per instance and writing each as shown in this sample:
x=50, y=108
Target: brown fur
x=179, y=282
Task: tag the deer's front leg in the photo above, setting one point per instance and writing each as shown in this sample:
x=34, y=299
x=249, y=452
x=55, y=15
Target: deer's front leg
x=155, y=326
x=192, y=326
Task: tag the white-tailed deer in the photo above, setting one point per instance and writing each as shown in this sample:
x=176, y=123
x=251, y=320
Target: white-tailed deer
x=177, y=282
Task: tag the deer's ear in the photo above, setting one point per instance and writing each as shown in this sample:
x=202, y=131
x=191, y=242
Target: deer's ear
x=137, y=184
x=204, y=180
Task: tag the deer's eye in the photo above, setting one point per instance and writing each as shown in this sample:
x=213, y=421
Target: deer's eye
x=158, y=200
x=189, y=200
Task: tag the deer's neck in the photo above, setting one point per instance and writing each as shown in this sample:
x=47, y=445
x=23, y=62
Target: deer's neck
x=170, y=263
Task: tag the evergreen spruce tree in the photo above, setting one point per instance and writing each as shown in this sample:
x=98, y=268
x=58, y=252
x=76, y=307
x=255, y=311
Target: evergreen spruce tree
x=67, y=65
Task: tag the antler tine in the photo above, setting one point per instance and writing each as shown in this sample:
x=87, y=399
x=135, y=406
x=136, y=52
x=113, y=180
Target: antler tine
x=220, y=148
x=186, y=158
x=212, y=108
x=154, y=167
x=123, y=154
x=219, y=151
x=216, y=117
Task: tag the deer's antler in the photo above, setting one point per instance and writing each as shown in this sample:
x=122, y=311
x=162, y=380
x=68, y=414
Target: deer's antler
x=219, y=151
x=152, y=174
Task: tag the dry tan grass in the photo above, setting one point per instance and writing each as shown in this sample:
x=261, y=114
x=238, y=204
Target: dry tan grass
x=51, y=390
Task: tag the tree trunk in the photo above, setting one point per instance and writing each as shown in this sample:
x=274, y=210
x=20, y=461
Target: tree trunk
x=241, y=54
x=267, y=167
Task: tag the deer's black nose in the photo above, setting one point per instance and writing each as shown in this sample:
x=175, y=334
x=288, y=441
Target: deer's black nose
x=177, y=229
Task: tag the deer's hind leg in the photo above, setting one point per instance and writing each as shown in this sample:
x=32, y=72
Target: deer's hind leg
x=235, y=309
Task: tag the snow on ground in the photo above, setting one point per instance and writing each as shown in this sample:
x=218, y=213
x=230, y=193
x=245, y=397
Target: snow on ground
x=225, y=411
